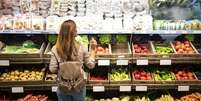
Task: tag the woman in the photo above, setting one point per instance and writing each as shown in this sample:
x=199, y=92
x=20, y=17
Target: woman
x=67, y=48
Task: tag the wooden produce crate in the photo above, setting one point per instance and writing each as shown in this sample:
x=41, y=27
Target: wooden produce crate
x=162, y=44
x=97, y=81
x=141, y=55
x=135, y=81
x=195, y=54
x=165, y=81
x=24, y=55
x=197, y=47
x=47, y=52
x=100, y=51
x=185, y=81
x=14, y=81
x=121, y=81
x=99, y=76
x=121, y=51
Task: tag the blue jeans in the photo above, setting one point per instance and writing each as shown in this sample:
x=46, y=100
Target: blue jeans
x=75, y=96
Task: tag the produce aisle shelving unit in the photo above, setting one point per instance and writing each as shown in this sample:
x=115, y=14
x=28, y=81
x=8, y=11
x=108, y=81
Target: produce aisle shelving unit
x=137, y=51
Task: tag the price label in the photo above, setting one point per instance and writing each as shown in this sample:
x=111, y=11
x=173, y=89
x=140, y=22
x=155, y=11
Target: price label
x=183, y=88
x=122, y=62
x=17, y=90
x=6, y=31
x=141, y=88
x=142, y=62
x=165, y=62
x=103, y=62
x=4, y=63
x=98, y=88
x=125, y=88
x=54, y=88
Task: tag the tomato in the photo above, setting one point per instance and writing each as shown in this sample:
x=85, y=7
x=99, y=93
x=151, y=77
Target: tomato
x=135, y=46
x=186, y=42
x=137, y=76
x=143, y=78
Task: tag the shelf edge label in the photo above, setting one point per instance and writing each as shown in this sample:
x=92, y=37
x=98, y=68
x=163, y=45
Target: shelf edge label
x=122, y=62
x=183, y=88
x=125, y=88
x=54, y=88
x=165, y=62
x=141, y=88
x=103, y=62
x=17, y=90
x=142, y=62
x=4, y=62
x=98, y=88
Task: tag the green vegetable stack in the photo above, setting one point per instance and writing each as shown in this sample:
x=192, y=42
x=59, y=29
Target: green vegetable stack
x=83, y=40
x=105, y=39
x=121, y=38
x=119, y=74
x=163, y=74
x=27, y=47
x=52, y=39
x=164, y=50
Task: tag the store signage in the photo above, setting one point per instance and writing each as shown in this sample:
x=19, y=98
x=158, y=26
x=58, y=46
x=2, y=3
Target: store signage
x=98, y=88
x=4, y=63
x=142, y=62
x=54, y=88
x=125, y=88
x=103, y=62
x=165, y=62
x=122, y=62
x=183, y=88
x=141, y=88
x=17, y=90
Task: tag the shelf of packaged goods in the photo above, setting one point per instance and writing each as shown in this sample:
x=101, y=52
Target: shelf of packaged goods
x=27, y=32
x=99, y=32
x=169, y=32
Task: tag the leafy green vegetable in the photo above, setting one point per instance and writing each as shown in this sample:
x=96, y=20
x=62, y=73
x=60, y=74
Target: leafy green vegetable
x=105, y=39
x=163, y=74
x=28, y=44
x=121, y=38
x=52, y=39
x=82, y=39
x=119, y=74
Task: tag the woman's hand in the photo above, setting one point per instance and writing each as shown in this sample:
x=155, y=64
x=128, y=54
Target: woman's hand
x=93, y=44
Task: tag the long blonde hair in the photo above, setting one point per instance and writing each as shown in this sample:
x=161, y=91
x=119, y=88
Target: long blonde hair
x=67, y=47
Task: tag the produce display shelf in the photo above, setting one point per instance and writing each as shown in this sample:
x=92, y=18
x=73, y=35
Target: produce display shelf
x=22, y=60
x=46, y=85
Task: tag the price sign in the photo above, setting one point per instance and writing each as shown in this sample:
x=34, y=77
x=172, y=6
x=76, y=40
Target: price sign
x=103, y=62
x=183, y=88
x=122, y=62
x=98, y=88
x=17, y=90
x=4, y=63
x=125, y=88
x=165, y=62
x=141, y=88
x=142, y=62
x=54, y=88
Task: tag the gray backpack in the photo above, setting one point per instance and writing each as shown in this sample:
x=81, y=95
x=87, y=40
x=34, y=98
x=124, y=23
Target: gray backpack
x=70, y=75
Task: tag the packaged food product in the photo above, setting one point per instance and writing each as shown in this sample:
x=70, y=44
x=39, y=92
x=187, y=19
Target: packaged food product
x=8, y=23
x=22, y=22
x=52, y=23
x=37, y=23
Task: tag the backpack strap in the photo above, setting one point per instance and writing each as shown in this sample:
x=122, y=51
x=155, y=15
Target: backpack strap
x=55, y=58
